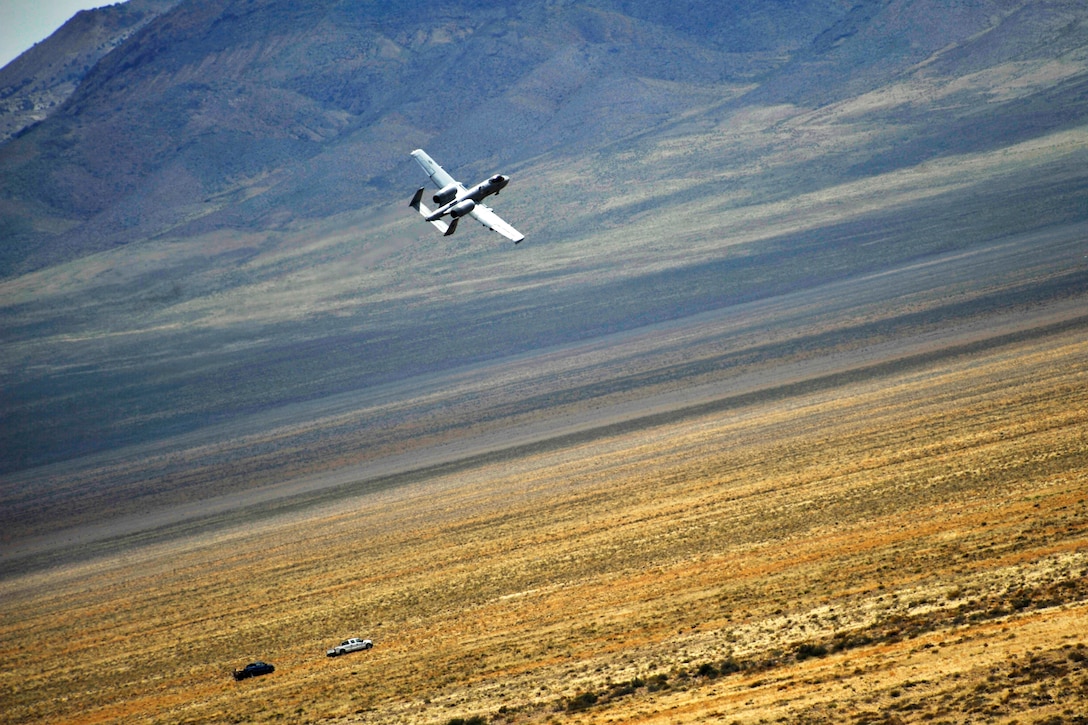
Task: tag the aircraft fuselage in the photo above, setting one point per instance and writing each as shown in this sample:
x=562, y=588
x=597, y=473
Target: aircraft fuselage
x=457, y=207
x=453, y=199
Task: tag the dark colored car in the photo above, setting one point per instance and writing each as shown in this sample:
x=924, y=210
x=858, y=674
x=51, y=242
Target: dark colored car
x=253, y=669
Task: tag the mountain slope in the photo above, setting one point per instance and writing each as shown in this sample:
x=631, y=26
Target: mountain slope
x=43, y=77
x=215, y=222
x=215, y=97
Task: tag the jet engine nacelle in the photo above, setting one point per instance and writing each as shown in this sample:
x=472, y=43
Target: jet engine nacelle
x=462, y=208
x=445, y=195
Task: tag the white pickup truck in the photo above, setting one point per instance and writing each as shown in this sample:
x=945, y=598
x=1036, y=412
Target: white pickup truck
x=349, y=645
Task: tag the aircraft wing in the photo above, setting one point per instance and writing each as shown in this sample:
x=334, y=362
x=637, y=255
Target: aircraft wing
x=493, y=221
x=438, y=175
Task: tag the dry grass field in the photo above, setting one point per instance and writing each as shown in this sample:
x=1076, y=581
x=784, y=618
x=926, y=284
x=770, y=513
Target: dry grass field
x=912, y=548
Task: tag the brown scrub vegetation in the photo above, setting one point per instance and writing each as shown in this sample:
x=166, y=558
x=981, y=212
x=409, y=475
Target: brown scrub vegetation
x=912, y=548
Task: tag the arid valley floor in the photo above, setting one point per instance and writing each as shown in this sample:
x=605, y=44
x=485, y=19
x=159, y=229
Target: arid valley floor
x=779, y=414
x=880, y=527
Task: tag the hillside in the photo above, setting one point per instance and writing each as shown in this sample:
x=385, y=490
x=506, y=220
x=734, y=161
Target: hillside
x=908, y=545
x=37, y=82
x=220, y=112
x=213, y=226
x=228, y=185
x=777, y=414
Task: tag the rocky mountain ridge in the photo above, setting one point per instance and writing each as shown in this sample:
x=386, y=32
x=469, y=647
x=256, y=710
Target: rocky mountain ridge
x=33, y=85
x=216, y=222
x=216, y=113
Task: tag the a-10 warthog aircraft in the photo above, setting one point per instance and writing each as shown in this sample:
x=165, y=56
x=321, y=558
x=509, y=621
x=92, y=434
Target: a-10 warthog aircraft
x=455, y=201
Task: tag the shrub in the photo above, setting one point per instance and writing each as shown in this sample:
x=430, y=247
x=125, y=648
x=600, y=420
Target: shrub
x=582, y=701
x=658, y=682
x=808, y=649
x=729, y=666
x=625, y=688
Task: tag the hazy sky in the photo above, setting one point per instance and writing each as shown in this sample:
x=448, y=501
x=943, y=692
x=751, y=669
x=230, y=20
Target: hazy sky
x=26, y=22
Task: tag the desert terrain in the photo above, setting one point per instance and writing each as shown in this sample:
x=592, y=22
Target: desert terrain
x=779, y=413
x=877, y=528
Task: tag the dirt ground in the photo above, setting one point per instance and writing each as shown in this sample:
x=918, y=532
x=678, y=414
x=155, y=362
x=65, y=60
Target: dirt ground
x=910, y=547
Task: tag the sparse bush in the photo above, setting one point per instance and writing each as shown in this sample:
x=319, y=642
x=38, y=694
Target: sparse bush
x=845, y=641
x=807, y=650
x=582, y=701
x=1020, y=601
x=708, y=670
x=657, y=683
x=624, y=689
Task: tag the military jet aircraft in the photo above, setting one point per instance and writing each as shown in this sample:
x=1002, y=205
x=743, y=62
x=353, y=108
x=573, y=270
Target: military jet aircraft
x=456, y=201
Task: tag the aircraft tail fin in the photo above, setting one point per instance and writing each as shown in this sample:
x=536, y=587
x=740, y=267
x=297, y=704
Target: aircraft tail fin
x=417, y=204
x=453, y=227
